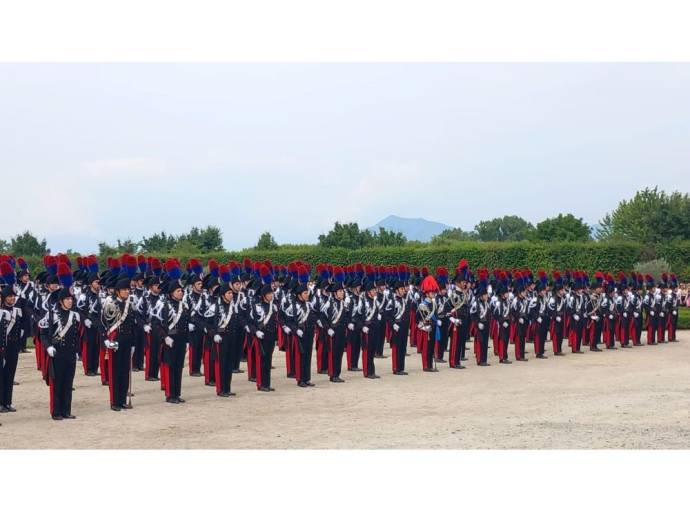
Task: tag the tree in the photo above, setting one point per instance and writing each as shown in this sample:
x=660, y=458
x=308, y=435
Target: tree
x=509, y=228
x=27, y=244
x=348, y=236
x=158, y=243
x=650, y=217
x=209, y=239
x=122, y=246
x=451, y=235
x=386, y=238
x=4, y=246
x=564, y=228
x=266, y=242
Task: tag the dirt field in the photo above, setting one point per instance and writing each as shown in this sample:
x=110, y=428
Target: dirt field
x=634, y=398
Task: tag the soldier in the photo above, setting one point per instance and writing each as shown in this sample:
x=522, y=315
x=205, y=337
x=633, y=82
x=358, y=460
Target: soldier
x=674, y=302
x=10, y=336
x=519, y=316
x=26, y=297
x=461, y=299
x=652, y=308
x=264, y=330
x=367, y=322
x=119, y=318
x=148, y=306
x=196, y=303
x=556, y=310
x=663, y=308
x=539, y=314
x=636, y=281
x=443, y=310
x=608, y=312
x=623, y=310
x=300, y=322
x=89, y=306
x=400, y=321
x=596, y=307
x=223, y=319
x=576, y=308
x=174, y=317
x=335, y=313
x=427, y=322
x=480, y=312
x=62, y=345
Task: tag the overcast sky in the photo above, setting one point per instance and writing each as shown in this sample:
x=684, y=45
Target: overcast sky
x=91, y=153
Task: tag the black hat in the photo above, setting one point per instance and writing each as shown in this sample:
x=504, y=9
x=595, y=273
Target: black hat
x=173, y=285
x=22, y=273
x=399, y=284
x=266, y=289
x=64, y=293
x=369, y=285
x=123, y=284
x=152, y=280
x=91, y=278
x=192, y=278
x=52, y=279
x=7, y=291
x=336, y=286
x=300, y=288
x=225, y=288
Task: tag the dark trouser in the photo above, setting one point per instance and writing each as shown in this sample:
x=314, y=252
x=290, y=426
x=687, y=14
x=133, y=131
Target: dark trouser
x=575, y=335
x=368, y=351
x=196, y=350
x=398, y=348
x=519, y=339
x=91, y=350
x=210, y=356
x=119, y=366
x=557, y=336
x=482, y=341
x=138, y=357
x=263, y=358
x=380, y=337
x=237, y=345
x=174, y=360
x=594, y=333
x=624, y=329
x=60, y=378
x=335, y=353
x=651, y=329
x=354, y=345
x=224, y=363
x=540, y=333
x=303, y=349
x=463, y=336
x=425, y=342
x=322, y=348
x=26, y=326
x=153, y=347
x=442, y=342
x=636, y=329
x=8, y=370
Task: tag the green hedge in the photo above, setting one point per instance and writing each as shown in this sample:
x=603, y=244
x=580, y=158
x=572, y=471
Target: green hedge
x=683, y=318
x=589, y=256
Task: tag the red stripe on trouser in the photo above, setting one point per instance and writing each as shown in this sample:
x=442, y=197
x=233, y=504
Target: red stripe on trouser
x=453, y=347
x=477, y=348
x=251, y=368
x=518, y=348
x=279, y=335
x=191, y=357
x=111, y=380
x=216, y=364
x=394, y=357
x=257, y=362
x=572, y=339
x=670, y=328
x=38, y=349
x=84, y=353
x=164, y=378
x=554, y=341
x=207, y=365
x=51, y=390
x=650, y=331
x=633, y=332
x=147, y=353
x=319, y=351
x=537, y=341
x=423, y=345
x=660, y=331
x=330, y=357
x=289, y=356
x=348, y=350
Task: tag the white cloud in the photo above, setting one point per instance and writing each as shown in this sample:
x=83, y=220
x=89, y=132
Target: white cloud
x=133, y=168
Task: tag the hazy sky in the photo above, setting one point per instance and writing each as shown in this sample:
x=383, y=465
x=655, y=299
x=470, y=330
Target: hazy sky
x=96, y=152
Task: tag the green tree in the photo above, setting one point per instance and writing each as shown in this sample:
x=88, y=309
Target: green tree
x=27, y=244
x=348, y=236
x=386, y=238
x=104, y=249
x=564, y=228
x=651, y=217
x=266, y=242
x=509, y=228
x=208, y=239
x=451, y=235
x=158, y=243
x=4, y=246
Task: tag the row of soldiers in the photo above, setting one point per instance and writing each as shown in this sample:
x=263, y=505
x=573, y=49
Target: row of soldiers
x=143, y=315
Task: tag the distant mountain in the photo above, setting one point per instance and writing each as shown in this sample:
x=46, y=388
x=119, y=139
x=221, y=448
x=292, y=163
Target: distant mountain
x=414, y=229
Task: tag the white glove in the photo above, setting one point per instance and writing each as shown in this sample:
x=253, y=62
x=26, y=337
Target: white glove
x=595, y=318
x=88, y=323
x=636, y=315
x=661, y=314
x=365, y=329
x=107, y=344
x=300, y=332
x=147, y=328
x=576, y=317
x=610, y=317
x=331, y=332
x=318, y=322
x=76, y=357
x=505, y=325
x=246, y=328
x=217, y=338
x=169, y=341
x=427, y=328
x=625, y=315
x=539, y=319
x=286, y=329
x=675, y=313
x=521, y=320
x=186, y=346
x=260, y=334
x=351, y=326
x=131, y=351
x=396, y=327
x=558, y=319
x=378, y=316
x=51, y=351
x=191, y=327
x=481, y=326
x=651, y=313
